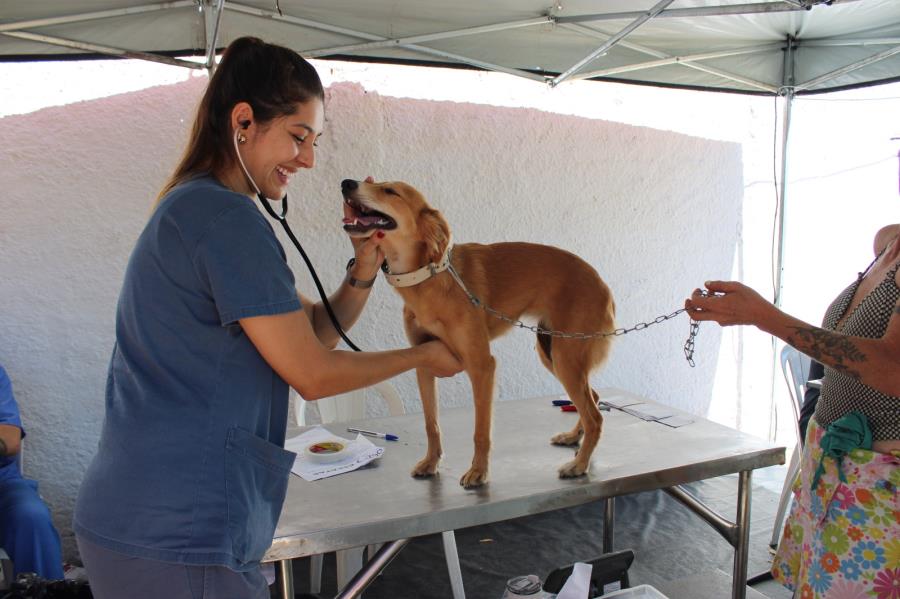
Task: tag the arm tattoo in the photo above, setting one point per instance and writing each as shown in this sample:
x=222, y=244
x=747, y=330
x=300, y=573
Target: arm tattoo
x=820, y=343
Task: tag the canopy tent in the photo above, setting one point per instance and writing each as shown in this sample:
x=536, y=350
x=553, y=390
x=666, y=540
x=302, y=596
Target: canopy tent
x=762, y=47
x=768, y=47
x=772, y=47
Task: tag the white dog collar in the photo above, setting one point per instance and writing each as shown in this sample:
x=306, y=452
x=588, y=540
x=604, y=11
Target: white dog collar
x=409, y=279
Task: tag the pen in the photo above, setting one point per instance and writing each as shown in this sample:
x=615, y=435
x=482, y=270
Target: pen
x=385, y=436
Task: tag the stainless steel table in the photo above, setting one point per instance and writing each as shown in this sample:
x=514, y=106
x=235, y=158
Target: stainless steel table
x=382, y=503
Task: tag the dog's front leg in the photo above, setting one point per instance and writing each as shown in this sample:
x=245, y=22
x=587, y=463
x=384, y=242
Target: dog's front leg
x=428, y=465
x=481, y=371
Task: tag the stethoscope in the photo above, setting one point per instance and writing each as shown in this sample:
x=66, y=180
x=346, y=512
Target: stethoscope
x=287, y=229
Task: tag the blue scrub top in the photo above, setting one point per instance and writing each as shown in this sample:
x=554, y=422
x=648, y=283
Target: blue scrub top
x=9, y=414
x=190, y=466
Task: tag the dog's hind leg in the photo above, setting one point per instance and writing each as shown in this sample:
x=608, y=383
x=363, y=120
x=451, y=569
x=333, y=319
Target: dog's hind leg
x=544, y=348
x=574, y=378
x=428, y=465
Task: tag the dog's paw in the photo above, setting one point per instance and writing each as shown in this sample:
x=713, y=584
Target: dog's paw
x=567, y=439
x=572, y=470
x=474, y=478
x=425, y=468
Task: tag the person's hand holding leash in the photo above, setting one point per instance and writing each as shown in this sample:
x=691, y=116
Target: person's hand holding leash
x=727, y=303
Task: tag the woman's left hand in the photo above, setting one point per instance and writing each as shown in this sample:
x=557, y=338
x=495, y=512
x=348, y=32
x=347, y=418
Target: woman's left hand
x=727, y=303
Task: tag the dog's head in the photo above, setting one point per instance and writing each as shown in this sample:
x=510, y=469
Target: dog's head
x=399, y=210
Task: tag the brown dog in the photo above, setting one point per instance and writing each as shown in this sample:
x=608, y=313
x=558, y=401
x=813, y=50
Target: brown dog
x=559, y=289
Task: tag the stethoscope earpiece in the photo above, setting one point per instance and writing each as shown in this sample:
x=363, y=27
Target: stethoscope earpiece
x=262, y=199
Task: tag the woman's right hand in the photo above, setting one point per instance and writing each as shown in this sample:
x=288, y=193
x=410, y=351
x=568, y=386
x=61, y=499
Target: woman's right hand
x=439, y=359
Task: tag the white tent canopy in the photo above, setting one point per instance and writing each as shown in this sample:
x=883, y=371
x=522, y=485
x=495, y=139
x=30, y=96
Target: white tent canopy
x=761, y=47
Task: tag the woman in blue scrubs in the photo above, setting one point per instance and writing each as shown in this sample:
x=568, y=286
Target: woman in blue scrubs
x=182, y=497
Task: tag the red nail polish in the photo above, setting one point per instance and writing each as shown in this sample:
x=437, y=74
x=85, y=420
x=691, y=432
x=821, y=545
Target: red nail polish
x=380, y=234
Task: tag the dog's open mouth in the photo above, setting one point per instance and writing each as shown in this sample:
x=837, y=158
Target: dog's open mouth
x=359, y=219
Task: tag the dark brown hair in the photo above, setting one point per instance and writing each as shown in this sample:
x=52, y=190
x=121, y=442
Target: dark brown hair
x=271, y=78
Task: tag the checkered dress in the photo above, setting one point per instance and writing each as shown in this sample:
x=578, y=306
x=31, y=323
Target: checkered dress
x=841, y=393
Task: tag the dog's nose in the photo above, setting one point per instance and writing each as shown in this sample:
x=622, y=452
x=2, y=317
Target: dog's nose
x=349, y=185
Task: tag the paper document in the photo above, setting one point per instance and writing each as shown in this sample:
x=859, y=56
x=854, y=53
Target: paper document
x=578, y=585
x=676, y=421
x=617, y=401
x=360, y=451
x=646, y=411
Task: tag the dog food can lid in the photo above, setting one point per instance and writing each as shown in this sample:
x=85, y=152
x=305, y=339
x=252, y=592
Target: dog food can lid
x=523, y=586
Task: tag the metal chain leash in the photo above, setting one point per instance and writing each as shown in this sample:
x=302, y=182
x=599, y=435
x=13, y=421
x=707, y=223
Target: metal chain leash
x=688, y=345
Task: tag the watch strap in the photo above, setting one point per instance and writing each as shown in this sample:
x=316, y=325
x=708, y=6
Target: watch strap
x=358, y=283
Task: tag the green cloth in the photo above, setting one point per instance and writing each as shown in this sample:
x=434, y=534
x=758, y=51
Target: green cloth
x=841, y=437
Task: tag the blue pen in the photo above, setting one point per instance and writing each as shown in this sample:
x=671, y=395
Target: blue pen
x=385, y=436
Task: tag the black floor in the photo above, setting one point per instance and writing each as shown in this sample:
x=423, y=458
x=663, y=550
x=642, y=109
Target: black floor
x=669, y=543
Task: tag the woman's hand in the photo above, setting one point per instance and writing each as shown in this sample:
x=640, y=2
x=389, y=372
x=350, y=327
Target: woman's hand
x=439, y=359
x=367, y=252
x=368, y=256
x=728, y=303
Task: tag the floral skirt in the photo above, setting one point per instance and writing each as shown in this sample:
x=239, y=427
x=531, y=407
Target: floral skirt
x=842, y=540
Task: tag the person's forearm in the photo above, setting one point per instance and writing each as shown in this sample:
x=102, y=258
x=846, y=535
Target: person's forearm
x=348, y=303
x=10, y=439
x=873, y=361
x=348, y=370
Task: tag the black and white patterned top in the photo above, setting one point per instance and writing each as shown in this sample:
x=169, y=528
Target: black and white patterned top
x=842, y=393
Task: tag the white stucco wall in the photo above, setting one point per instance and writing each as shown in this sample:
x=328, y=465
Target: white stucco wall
x=656, y=212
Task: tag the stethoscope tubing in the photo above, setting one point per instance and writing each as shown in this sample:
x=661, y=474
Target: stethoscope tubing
x=281, y=217
x=312, y=271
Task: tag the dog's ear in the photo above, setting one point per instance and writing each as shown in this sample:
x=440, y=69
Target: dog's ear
x=435, y=233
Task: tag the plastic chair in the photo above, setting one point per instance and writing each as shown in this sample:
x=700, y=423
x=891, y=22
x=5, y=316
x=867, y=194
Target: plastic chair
x=352, y=406
x=795, y=367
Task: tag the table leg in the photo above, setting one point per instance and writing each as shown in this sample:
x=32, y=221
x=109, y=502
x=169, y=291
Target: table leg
x=284, y=579
x=609, y=522
x=736, y=533
x=742, y=542
x=371, y=569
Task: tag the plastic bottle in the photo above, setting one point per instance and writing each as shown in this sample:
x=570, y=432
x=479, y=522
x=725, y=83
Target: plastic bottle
x=525, y=587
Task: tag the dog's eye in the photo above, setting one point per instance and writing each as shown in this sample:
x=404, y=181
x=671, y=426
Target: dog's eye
x=390, y=191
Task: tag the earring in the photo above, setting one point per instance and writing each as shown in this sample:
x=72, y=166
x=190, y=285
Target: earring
x=242, y=139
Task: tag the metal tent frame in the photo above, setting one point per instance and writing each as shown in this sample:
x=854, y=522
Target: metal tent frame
x=44, y=37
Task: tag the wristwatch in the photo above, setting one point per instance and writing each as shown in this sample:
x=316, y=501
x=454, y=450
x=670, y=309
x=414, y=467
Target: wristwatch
x=354, y=282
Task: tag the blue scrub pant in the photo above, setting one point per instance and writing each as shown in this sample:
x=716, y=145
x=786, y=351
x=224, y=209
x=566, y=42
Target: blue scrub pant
x=26, y=530
x=113, y=575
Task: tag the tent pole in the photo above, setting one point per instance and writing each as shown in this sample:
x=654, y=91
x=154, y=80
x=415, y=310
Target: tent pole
x=212, y=17
x=787, y=91
x=788, y=94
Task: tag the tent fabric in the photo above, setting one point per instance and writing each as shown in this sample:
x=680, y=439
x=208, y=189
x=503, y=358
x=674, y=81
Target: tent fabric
x=745, y=46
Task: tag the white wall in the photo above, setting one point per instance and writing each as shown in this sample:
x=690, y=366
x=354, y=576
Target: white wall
x=656, y=212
